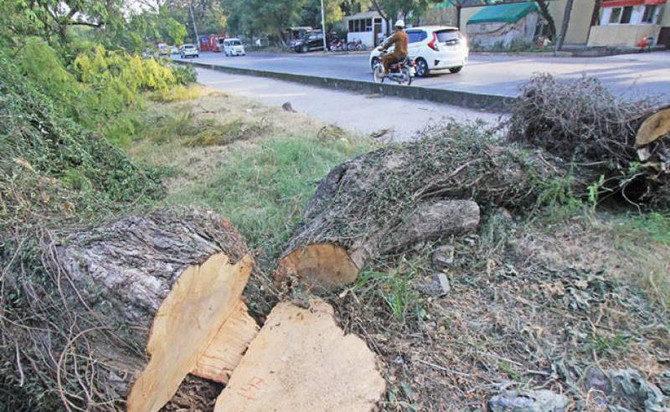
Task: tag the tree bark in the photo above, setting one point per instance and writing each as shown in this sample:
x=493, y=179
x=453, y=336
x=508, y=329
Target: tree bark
x=170, y=279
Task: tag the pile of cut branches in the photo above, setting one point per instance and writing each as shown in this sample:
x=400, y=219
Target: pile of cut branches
x=584, y=123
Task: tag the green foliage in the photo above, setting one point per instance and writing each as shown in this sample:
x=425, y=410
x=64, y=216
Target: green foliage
x=605, y=345
x=656, y=225
x=39, y=142
x=594, y=192
x=505, y=367
x=55, y=17
x=395, y=289
x=556, y=199
x=184, y=75
x=406, y=8
x=102, y=83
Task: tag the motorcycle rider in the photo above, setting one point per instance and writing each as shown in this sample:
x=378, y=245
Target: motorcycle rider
x=400, y=40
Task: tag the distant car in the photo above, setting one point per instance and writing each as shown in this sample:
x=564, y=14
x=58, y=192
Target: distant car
x=233, y=47
x=311, y=41
x=433, y=48
x=175, y=50
x=163, y=49
x=189, y=50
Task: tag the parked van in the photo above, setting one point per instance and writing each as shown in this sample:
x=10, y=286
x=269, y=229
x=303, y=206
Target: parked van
x=233, y=47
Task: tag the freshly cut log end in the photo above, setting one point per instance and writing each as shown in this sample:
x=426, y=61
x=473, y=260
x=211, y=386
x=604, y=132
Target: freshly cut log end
x=321, y=266
x=200, y=302
x=653, y=128
x=302, y=361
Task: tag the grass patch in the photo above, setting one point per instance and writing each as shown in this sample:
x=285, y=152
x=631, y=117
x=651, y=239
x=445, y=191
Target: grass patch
x=211, y=134
x=608, y=345
x=255, y=165
x=263, y=189
x=655, y=225
x=645, y=239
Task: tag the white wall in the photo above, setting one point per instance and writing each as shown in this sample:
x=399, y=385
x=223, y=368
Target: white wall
x=366, y=37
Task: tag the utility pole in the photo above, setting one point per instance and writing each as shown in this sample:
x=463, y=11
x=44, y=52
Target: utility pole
x=566, y=23
x=195, y=29
x=323, y=27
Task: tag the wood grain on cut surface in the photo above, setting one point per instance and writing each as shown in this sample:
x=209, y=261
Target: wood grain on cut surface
x=225, y=352
x=302, y=361
x=200, y=302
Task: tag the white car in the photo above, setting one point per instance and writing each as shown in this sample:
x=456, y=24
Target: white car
x=189, y=50
x=433, y=48
x=233, y=47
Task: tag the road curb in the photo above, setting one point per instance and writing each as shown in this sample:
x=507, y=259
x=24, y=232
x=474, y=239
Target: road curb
x=484, y=102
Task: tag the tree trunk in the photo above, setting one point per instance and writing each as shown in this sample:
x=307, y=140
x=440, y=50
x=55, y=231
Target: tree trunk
x=174, y=280
x=458, y=16
x=546, y=14
x=388, y=200
x=565, y=25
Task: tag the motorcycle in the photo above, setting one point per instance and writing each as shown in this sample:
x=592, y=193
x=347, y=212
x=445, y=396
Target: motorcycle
x=337, y=45
x=355, y=46
x=401, y=73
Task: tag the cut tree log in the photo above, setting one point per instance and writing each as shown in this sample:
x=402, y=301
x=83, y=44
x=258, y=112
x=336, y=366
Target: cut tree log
x=302, y=361
x=653, y=128
x=388, y=200
x=174, y=280
x=653, y=147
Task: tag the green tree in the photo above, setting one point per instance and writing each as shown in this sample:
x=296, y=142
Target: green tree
x=311, y=14
x=405, y=9
x=57, y=16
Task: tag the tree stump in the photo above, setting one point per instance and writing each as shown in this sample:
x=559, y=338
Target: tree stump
x=174, y=279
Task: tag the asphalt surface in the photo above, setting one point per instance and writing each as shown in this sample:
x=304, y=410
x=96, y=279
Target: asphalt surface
x=630, y=75
x=398, y=119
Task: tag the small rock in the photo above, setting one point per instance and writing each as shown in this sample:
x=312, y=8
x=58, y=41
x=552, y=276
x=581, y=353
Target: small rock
x=596, y=379
x=438, y=285
x=287, y=107
x=443, y=257
x=528, y=401
x=504, y=213
x=444, y=283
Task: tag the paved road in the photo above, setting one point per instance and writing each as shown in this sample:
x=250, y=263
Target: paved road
x=631, y=75
x=353, y=111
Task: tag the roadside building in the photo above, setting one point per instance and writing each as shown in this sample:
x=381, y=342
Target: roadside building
x=368, y=27
x=581, y=15
x=504, y=25
x=623, y=23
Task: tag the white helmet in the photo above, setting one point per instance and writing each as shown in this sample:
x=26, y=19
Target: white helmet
x=399, y=24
